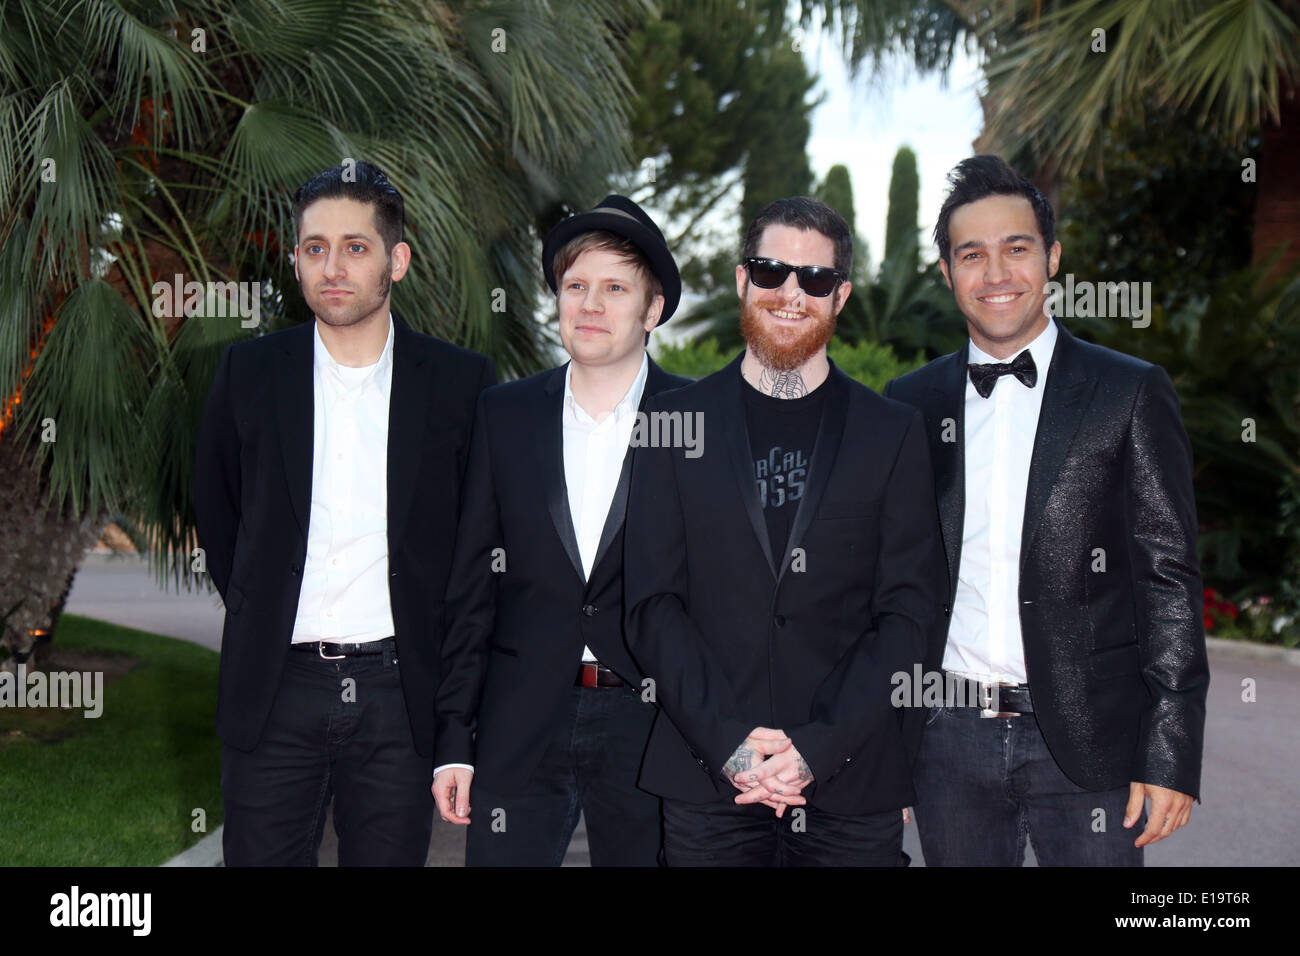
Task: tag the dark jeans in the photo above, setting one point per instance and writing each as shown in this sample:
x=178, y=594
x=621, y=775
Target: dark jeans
x=985, y=784
x=317, y=745
x=590, y=767
x=730, y=834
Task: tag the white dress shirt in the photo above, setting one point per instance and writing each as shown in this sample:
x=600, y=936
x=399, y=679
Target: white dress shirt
x=344, y=594
x=984, y=639
x=593, y=460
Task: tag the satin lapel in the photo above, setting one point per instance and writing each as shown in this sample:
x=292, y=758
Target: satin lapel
x=830, y=431
x=656, y=381
x=732, y=413
x=295, y=406
x=409, y=402
x=950, y=457
x=548, y=430
x=1068, y=388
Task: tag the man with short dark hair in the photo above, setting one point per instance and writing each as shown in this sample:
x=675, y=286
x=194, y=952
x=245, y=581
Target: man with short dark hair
x=542, y=713
x=327, y=484
x=776, y=582
x=1072, y=615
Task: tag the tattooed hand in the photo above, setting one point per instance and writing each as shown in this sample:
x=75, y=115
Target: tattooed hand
x=741, y=760
x=761, y=743
x=777, y=781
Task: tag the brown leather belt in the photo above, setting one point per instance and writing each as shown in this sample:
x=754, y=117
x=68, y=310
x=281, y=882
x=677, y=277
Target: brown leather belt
x=595, y=674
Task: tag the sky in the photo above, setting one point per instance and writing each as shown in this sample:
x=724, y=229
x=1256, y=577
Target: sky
x=863, y=122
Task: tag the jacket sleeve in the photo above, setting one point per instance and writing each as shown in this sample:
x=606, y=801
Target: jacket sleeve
x=470, y=603
x=1161, y=511
x=690, y=687
x=853, y=704
x=217, y=479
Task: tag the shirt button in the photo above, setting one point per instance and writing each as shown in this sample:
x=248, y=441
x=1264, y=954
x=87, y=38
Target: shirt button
x=589, y=610
x=780, y=620
x=329, y=612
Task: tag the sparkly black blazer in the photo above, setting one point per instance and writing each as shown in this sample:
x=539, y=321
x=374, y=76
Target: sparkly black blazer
x=1116, y=658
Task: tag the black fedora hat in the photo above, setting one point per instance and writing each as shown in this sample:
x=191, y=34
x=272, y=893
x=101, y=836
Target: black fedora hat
x=623, y=217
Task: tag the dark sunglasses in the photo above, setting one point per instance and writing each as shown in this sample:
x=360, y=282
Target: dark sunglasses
x=818, y=281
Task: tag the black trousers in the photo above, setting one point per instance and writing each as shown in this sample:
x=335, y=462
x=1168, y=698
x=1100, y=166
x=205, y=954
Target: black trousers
x=338, y=729
x=731, y=834
x=590, y=767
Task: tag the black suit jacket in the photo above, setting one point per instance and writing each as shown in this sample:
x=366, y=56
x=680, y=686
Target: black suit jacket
x=253, y=499
x=1116, y=659
x=736, y=637
x=515, y=634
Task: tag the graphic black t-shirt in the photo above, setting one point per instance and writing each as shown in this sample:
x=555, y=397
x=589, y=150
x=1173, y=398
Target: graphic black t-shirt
x=782, y=432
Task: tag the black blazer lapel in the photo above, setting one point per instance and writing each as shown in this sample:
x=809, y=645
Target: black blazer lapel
x=950, y=458
x=408, y=409
x=829, y=433
x=742, y=459
x=295, y=407
x=1068, y=388
x=548, y=430
x=657, y=380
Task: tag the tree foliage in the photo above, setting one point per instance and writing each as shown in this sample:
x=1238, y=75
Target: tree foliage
x=144, y=140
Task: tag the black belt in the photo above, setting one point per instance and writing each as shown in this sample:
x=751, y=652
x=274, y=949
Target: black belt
x=596, y=674
x=994, y=699
x=333, y=650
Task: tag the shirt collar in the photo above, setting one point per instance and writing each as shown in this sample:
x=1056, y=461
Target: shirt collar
x=1040, y=348
x=629, y=403
x=379, y=372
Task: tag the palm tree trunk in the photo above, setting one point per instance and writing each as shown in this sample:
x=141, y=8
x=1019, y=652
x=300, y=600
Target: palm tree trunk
x=41, y=548
x=1277, y=202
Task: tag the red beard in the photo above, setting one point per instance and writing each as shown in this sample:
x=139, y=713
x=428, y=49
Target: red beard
x=780, y=348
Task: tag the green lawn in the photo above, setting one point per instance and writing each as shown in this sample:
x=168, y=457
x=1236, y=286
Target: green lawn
x=120, y=789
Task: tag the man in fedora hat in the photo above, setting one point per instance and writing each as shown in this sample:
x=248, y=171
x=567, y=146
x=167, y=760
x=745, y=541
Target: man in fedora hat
x=542, y=712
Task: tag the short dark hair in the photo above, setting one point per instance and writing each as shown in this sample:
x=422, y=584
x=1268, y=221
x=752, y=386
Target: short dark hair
x=363, y=182
x=981, y=176
x=567, y=255
x=810, y=215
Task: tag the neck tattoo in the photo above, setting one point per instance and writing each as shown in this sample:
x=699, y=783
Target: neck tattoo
x=782, y=384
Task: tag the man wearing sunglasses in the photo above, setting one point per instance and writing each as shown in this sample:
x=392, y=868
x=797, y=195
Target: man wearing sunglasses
x=776, y=582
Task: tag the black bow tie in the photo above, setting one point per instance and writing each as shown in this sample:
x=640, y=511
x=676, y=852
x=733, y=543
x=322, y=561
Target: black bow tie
x=984, y=377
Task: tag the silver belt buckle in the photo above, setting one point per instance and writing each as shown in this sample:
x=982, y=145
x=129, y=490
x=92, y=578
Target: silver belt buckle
x=988, y=693
x=320, y=649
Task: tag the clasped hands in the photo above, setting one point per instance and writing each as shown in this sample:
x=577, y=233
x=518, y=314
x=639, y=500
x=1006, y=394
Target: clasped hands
x=767, y=768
